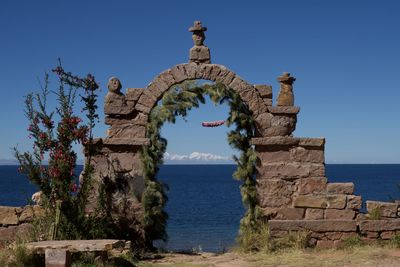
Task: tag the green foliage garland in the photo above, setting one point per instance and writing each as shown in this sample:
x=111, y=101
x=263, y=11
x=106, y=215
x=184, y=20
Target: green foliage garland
x=177, y=101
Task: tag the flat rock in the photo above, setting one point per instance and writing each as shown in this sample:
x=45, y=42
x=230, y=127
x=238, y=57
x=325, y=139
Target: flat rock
x=379, y=225
x=77, y=245
x=275, y=141
x=340, y=188
x=313, y=225
x=320, y=201
x=386, y=209
x=8, y=216
x=284, y=110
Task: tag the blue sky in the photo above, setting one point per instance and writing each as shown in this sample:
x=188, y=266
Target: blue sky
x=344, y=54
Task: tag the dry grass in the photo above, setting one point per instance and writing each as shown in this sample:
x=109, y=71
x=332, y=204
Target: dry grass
x=357, y=256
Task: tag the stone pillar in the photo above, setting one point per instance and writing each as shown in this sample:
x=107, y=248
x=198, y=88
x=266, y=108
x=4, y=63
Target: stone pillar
x=57, y=258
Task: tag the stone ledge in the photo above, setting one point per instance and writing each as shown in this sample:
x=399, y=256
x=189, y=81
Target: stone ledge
x=313, y=225
x=275, y=141
x=288, y=141
x=289, y=110
x=379, y=225
x=385, y=209
x=126, y=141
x=314, y=142
x=334, y=201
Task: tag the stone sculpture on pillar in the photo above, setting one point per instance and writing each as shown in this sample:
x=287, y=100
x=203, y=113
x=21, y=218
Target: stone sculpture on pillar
x=115, y=100
x=286, y=97
x=199, y=53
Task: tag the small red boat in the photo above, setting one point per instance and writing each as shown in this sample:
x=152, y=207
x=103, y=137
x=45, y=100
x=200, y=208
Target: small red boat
x=212, y=123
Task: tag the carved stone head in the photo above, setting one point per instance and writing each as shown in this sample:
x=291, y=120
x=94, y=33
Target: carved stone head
x=198, y=35
x=114, y=85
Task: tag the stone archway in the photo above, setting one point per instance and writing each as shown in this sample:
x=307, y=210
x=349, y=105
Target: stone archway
x=292, y=189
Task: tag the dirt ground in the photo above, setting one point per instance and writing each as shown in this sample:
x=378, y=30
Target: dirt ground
x=364, y=256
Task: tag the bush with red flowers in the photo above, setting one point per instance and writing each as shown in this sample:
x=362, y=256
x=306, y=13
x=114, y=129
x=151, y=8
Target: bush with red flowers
x=54, y=134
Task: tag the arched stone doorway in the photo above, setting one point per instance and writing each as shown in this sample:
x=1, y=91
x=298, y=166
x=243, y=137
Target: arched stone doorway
x=292, y=190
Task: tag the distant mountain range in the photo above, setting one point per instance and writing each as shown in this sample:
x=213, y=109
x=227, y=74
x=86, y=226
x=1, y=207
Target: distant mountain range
x=4, y=162
x=8, y=162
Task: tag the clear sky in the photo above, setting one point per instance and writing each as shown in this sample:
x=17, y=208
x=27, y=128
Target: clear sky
x=344, y=54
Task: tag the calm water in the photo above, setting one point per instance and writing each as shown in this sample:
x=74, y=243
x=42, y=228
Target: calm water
x=204, y=201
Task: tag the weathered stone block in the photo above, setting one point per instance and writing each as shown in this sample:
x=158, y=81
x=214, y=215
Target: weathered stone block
x=116, y=104
x=290, y=110
x=371, y=234
x=160, y=84
x=26, y=214
x=314, y=214
x=313, y=142
x=354, y=202
x=302, y=154
x=144, y=109
x=311, y=185
x=146, y=101
x=333, y=235
x=313, y=225
x=340, y=188
x=291, y=170
x=387, y=235
x=267, y=102
x=10, y=233
x=167, y=78
x=214, y=72
x=237, y=84
x=336, y=201
x=263, y=122
x=334, y=214
x=310, y=201
x=151, y=94
x=273, y=154
x=124, y=162
x=325, y=244
x=225, y=76
x=8, y=216
x=127, y=131
x=386, y=209
x=274, y=192
x=190, y=70
x=133, y=94
x=140, y=119
x=290, y=214
x=379, y=225
x=57, y=258
x=275, y=141
x=281, y=125
x=320, y=201
x=179, y=73
x=264, y=90
x=126, y=142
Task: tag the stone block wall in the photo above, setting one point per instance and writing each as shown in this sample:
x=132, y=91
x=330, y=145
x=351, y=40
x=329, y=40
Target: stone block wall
x=292, y=188
x=15, y=221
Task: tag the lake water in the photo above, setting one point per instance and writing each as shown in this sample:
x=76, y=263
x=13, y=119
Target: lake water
x=204, y=204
